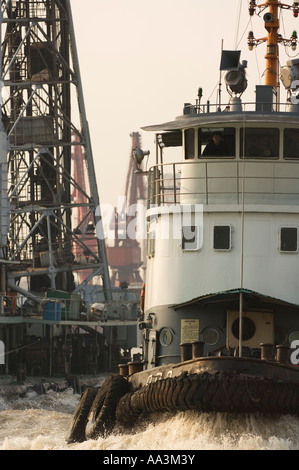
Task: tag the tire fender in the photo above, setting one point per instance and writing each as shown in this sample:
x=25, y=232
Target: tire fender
x=101, y=418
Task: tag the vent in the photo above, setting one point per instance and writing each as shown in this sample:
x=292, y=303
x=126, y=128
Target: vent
x=257, y=329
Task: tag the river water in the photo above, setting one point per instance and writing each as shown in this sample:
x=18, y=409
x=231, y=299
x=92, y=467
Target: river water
x=41, y=422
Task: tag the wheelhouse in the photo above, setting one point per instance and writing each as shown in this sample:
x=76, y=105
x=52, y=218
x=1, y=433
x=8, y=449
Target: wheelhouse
x=261, y=141
x=268, y=147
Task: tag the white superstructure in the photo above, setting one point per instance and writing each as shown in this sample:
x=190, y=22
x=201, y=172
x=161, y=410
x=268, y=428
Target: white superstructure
x=222, y=226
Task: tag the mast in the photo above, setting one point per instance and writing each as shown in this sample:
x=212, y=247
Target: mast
x=272, y=55
x=273, y=39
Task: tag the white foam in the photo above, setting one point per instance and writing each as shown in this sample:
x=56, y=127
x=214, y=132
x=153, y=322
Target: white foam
x=44, y=421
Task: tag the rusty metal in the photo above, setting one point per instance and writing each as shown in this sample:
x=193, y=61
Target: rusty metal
x=42, y=86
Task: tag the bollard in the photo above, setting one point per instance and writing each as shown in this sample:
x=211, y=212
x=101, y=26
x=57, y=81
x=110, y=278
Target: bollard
x=282, y=353
x=267, y=351
x=135, y=367
x=197, y=349
x=123, y=370
x=186, y=351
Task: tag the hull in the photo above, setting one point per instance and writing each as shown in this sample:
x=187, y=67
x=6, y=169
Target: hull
x=205, y=384
x=213, y=384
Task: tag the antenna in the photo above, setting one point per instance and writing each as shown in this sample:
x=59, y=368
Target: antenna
x=220, y=76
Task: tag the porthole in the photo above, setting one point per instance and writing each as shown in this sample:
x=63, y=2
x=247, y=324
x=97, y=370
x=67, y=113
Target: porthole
x=165, y=337
x=280, y=335
x=294, y=336
x=210, y=336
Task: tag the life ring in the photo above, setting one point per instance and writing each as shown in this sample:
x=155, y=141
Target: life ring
x=142, y=298
x=101, y=418
x=77, y=431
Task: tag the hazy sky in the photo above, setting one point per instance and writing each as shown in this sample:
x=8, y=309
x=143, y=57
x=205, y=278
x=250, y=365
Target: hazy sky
x=141, y=60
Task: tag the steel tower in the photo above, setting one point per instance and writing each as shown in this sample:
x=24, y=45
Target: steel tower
x=42, y=109
x=125, y=257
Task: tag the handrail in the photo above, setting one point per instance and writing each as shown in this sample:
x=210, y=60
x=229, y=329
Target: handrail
x=264, y=106
x=174, y=183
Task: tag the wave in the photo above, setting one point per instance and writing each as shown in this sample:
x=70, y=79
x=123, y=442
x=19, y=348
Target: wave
x=40, y=428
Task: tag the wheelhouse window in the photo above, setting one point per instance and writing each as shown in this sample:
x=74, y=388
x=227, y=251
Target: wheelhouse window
x=189, y=143
x=216, y=142
x=288, y=240
x=222, y=237
x=259, y=142
x=291, y=143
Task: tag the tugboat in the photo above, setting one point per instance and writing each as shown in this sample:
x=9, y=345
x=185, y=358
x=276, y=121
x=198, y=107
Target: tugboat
x=221, y=302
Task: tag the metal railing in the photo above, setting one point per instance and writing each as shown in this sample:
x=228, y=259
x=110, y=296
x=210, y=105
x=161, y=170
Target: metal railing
x=250, y=106
x=224, y=181
x=68, y=307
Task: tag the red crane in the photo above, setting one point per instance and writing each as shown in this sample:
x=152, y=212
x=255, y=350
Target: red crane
x=83, y=220
x=125, y=257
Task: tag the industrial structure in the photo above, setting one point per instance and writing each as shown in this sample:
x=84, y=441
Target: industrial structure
x=125, y=258
x=85, y=229
x=50, y=253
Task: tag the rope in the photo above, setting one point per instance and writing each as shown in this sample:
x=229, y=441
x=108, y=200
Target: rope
x=19, y=349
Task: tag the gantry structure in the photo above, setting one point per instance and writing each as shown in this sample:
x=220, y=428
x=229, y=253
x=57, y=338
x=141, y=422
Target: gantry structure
x=125, y=258
x=44, y=116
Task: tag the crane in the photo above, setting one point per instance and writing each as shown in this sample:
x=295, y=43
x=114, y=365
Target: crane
x=83, y=220
x=125, y=257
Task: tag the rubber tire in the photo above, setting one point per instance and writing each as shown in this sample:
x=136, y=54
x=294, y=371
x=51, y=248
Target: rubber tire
x=101, y=419
x=77, y=431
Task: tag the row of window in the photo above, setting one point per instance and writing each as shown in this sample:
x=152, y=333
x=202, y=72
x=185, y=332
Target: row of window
x=222, y=238
x=255, y=142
